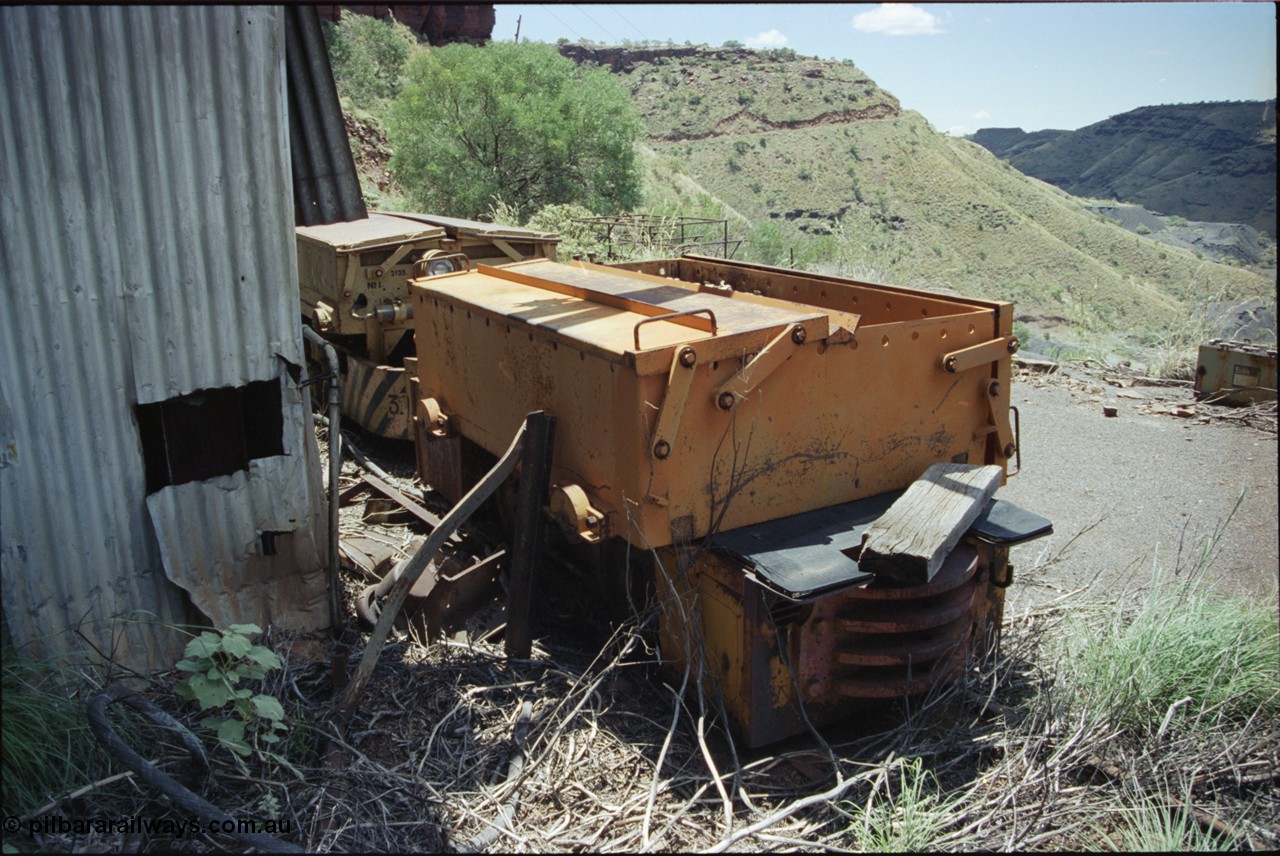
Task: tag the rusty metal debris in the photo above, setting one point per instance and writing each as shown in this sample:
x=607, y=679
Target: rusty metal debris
x=417, y=564
x=1236, y=372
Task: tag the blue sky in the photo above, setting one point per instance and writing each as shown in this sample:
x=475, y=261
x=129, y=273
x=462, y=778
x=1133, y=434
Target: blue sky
x=969, y=66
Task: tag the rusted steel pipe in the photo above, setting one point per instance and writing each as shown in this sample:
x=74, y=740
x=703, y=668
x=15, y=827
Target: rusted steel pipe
x=335, y=467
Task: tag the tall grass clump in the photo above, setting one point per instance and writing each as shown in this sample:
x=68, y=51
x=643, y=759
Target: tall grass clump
x=47, y=748
x=1160, y=822
x=908, y=818
x=1181, y=653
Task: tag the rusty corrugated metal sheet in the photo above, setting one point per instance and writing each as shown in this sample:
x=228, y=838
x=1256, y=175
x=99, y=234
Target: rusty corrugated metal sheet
x=146, y=250
x=326, y=188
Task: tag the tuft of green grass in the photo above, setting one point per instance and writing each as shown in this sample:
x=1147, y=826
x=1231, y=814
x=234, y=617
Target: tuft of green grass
x=909, y=819
x=46, y=748
x=1181, y=654
x=1154, y=823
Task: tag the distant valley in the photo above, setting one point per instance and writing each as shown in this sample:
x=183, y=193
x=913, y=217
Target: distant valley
x=1211, y=162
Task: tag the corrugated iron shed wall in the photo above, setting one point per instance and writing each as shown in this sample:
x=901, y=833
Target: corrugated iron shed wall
x=146, y=251
x=325, y=186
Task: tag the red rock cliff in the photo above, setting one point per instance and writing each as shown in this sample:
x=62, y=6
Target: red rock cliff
x=436, y=23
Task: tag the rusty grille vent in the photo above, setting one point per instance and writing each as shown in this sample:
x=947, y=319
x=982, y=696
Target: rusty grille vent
x=904, y=640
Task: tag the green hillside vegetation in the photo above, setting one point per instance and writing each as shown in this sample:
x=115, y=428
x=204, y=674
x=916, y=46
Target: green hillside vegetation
x=818, y=168
x=834, y=175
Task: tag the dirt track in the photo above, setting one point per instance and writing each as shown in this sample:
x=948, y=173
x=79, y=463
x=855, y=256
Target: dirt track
x=1131, y=489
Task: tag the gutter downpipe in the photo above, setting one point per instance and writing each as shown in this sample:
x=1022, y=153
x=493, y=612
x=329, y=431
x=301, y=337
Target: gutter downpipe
x=335, y=467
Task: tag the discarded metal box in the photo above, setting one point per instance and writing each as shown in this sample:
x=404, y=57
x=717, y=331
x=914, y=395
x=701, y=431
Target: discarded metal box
x=354, y=283
x=1236, y=372
x=739, y=423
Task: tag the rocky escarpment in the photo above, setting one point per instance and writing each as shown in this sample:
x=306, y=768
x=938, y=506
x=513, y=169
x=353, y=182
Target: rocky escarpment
x=746, y=122
x=699, y=93
x=436, y=23
x=622, y=60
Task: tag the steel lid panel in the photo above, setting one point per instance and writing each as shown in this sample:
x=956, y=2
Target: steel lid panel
x=475, y=228
x=604, y=317
x=732, y=316
x=594, y=327
x=373, y=231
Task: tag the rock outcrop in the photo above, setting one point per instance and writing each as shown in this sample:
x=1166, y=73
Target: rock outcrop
x=436, y=23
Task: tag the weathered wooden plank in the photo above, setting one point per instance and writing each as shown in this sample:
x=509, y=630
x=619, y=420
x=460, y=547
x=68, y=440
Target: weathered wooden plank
x=909, y=542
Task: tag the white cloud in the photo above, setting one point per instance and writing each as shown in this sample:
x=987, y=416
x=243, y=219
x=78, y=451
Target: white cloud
x=897, y=19
x=970, y=125
x=767, y=39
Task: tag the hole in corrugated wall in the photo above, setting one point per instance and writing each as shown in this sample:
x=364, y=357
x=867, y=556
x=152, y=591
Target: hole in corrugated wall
x=210, y=432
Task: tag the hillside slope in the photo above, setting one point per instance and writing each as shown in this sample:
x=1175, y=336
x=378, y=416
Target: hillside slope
x=1214, y=162
x=848, y=180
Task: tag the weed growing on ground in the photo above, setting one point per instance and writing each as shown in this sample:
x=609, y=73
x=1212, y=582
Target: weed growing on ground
x=1160, y=822
x=218, y=661
x=1179, y=654
x=47, y=746
x=909, y=818
x=1176, y=348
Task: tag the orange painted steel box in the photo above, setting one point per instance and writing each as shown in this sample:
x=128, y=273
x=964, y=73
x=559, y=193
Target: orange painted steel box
x=699, y=399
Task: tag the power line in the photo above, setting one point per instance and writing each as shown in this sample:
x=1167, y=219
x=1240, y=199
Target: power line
x=562, y=23
x=615, y=11
x=584, y=11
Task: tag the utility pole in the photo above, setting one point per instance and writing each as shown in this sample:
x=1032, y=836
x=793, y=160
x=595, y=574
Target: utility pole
x=518, y=18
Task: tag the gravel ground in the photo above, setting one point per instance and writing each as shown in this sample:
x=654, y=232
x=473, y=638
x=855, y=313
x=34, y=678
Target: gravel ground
x=1125, y=493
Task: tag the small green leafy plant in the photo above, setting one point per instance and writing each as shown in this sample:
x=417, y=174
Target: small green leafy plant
x=219, y=660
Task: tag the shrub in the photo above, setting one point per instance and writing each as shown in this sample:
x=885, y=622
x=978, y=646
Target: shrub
x=368, y=56
x=575, y=238
x=517, y=121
